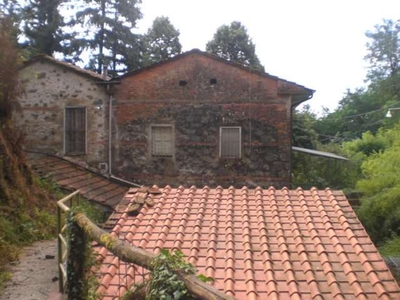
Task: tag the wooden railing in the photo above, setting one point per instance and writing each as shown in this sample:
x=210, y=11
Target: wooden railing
x=81, y=225
x=63, y=206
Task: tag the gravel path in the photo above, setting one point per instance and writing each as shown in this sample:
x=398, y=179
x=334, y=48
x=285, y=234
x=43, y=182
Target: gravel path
x=35, y=275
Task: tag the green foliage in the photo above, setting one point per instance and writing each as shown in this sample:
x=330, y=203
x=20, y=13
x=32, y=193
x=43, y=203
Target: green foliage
x=42, y=27
x=81, y=282
x=367, y=145
x=26, y=212
x=303, y=132
x=390, y=247
x=365, y=108
x=11, y=10
x=164, y=284
x=314, y=171
x=161, y=41
x=233, y=43
x=110, y=24
x=380, y=206
x=384, y=52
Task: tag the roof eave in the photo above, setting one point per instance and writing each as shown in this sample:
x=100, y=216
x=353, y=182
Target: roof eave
x=65, y=65
x=300, y=98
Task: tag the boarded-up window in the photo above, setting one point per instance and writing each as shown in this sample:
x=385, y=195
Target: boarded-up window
x=230, y=142
x=161, y=141
x=75, y=130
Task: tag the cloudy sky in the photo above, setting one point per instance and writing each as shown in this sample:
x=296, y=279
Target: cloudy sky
x=316, y=43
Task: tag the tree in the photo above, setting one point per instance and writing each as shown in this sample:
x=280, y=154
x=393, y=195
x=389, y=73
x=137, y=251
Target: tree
x=384, y=50
x=234, y=44
x=43, y=27
x=365, y=108
x=11, y=9
x=303, y=133
x=107, y=25
x=161, y=41
x=380, y=208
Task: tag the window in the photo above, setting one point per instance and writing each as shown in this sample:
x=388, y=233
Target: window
x=162, y=141
x=75, y=130
x=230, y=142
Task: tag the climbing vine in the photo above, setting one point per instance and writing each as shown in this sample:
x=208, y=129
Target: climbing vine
x=81, y=283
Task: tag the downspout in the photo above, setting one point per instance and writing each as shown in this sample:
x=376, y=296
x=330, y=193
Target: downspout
x=110, y=98
x=109, y=133
x=110, y=119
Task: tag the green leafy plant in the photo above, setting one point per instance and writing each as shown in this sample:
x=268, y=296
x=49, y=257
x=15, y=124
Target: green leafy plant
x=164, y=283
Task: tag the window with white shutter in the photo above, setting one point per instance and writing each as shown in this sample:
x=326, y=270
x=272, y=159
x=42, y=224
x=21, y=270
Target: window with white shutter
x=162, y=141
x=230, y=142
x=75, y=130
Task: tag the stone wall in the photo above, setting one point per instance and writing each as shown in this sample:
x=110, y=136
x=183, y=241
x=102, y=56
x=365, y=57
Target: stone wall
x=197, y=95
x=48, y=89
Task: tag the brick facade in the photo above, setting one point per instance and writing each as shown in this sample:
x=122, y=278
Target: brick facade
x=197, y=94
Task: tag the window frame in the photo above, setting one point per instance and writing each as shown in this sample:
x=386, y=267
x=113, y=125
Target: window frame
x=151, y=135
x=65, y=131
x=220, y=142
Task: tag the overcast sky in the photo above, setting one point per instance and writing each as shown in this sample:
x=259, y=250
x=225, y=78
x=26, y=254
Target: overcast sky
x=316, y=43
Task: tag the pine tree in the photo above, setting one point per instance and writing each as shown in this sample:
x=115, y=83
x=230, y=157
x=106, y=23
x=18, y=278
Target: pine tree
x=161, y=41
x=234, y=44
x=43, y=27
x=108, y=28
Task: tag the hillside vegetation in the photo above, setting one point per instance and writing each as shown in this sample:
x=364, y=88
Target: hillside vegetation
x=362, y=130
x=25, y=207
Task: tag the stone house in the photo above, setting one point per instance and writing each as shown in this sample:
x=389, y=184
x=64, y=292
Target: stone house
x=62, y=110
x=193, y=119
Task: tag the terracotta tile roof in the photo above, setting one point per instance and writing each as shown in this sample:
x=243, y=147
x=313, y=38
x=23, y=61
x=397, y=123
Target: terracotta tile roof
x=256, y=243
x=72, y=177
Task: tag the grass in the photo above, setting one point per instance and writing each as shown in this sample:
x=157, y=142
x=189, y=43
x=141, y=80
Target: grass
x=23, y=224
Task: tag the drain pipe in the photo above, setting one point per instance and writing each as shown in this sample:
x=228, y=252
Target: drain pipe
x=110, y=119
x=109, y=133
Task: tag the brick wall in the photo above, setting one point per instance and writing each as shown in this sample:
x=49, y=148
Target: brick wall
x=197, y=110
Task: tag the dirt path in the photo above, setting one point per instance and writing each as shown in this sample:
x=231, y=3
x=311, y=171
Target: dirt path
x=35, y=276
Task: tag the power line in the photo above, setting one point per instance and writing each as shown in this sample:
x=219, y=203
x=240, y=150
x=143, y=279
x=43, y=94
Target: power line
x=330, y=117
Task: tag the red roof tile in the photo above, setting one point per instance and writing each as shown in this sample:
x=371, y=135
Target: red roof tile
x=256, y=243
x=70, y=176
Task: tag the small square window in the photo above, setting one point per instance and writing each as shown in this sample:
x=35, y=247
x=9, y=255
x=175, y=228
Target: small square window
x=75, y=130
x=230, y=142
x=162, y=141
